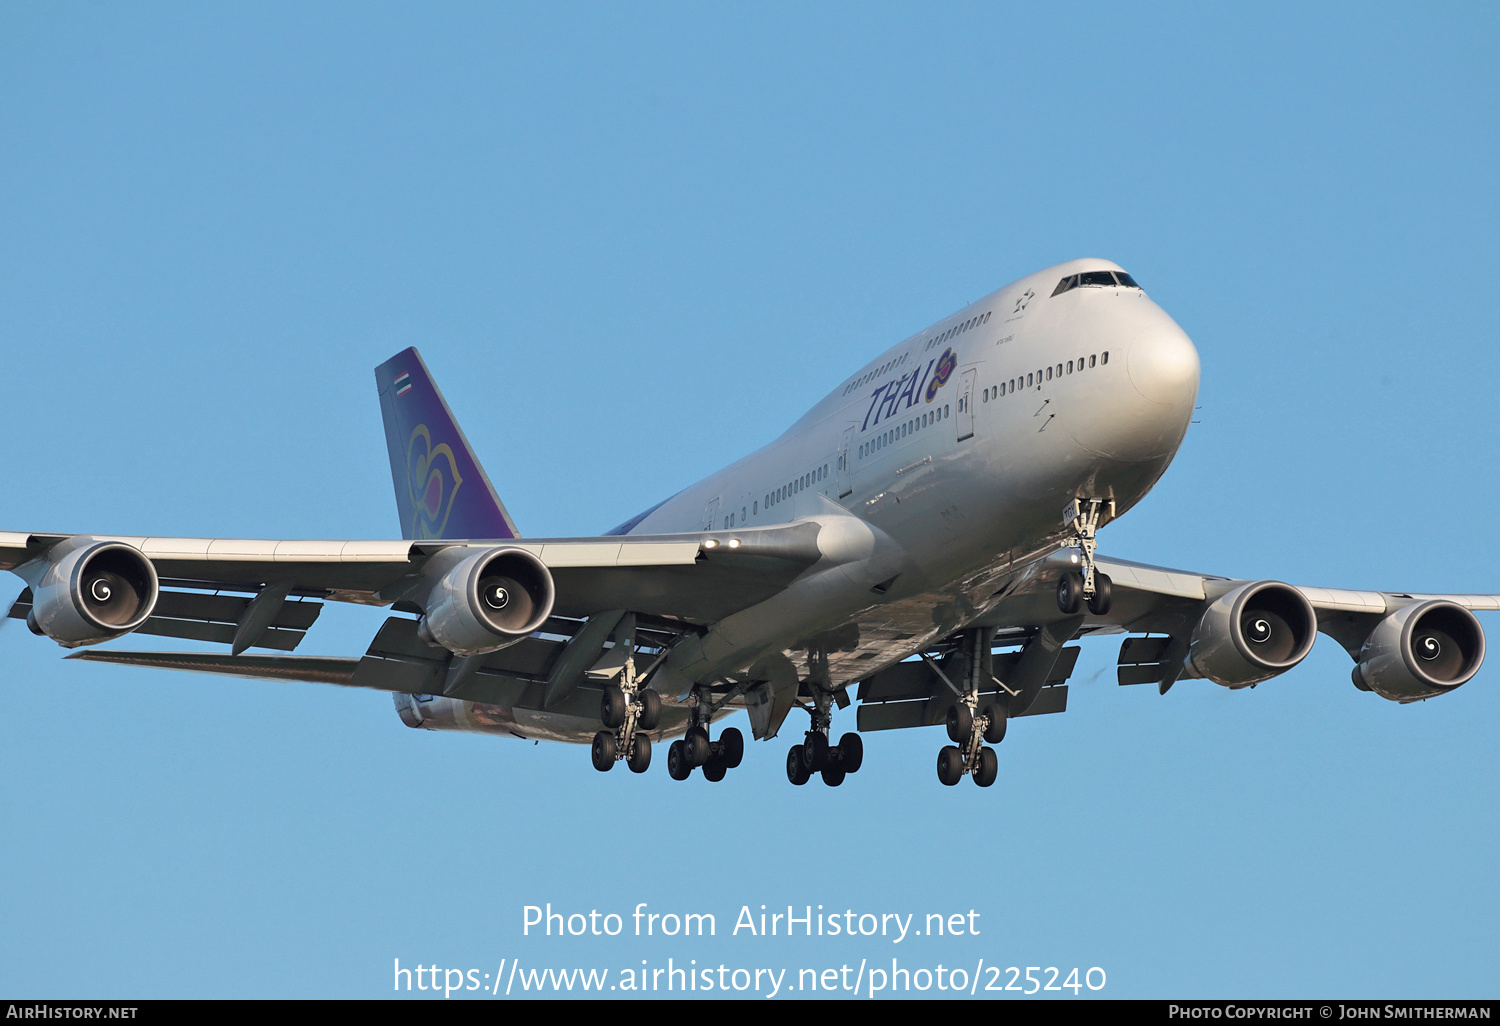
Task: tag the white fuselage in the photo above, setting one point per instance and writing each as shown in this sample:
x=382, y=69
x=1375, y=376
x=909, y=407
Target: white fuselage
x=962, y=477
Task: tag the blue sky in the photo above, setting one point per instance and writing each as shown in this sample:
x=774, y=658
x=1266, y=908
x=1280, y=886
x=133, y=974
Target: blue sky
x=634, y=243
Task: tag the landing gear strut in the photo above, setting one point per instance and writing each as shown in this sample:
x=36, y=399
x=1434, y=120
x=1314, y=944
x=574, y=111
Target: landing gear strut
x=1090, y=586
x=973, y=720
x=628, y=710
x=695, y=749
x=816, y=755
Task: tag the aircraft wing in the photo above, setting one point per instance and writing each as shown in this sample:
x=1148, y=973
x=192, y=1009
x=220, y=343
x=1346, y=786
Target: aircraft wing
x=1186, y=615
x=694, y=579
x=1406, y=646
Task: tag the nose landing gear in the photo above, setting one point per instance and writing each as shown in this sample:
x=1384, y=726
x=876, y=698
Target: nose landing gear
x=1074, y=589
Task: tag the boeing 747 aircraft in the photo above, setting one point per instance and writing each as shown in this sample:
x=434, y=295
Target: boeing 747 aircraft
x=922, y=543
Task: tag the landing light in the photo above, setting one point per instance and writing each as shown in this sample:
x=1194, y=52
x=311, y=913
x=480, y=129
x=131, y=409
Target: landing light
x=711, y=543
x=734, y=543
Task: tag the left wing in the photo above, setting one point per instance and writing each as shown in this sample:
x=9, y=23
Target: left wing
x=1406, y=646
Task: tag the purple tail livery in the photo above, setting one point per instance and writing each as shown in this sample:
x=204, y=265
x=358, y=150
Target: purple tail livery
x=441, y=490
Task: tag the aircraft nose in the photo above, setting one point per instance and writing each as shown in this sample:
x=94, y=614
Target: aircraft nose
x=1163, y=365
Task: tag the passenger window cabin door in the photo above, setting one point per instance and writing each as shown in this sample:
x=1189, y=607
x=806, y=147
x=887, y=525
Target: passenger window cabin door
x=963, y=418
x=710, y=513
x=845, y=475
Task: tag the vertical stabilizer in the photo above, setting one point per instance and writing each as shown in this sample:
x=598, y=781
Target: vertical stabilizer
x=441, y=490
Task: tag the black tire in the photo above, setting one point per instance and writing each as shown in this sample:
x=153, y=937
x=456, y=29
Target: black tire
x=696, y=747
x=960, y=724
x=988, y=768
x=1104, y=594
x=833, y=776
x=1069, y=592
x=640, y=756
x=612, y=706
x=851, y=752
x=678, y=767
x=714, y=770
x=732, y=750
x=796, y=772
x=650, y=714
x=603, y=751
x=815, y=750
x=950, y=765
x=995, y=732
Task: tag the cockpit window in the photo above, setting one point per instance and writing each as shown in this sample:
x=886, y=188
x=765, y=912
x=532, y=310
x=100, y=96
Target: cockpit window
x=1097, y=279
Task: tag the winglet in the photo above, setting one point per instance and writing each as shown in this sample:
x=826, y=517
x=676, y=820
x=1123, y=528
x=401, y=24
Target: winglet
x=441, y=489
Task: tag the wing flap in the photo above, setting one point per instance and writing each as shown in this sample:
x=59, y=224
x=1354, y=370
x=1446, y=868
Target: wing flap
x=912, y=695
x=213, y=618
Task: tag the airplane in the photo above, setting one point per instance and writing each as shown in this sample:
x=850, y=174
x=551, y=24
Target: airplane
x=921, y=543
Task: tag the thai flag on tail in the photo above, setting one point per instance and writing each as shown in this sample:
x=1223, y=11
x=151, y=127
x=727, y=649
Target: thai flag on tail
x=403, y=384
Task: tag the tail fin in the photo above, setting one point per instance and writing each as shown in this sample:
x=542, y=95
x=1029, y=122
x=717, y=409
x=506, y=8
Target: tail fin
x=441, y=490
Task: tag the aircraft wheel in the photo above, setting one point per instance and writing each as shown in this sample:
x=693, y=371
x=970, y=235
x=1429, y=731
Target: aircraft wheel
x=1103, y=594
x=960, y=723
x=714, y=770
x=988, y=768
x=678, y=767
x=851, y=752
x=650, y=715
x=995, y=732
x=612, y=706
x=796, y=771
x=950, y=765
x=696, y=747
x=815, y=751
x=833, y=776
x=640, y=755
x=603, y=751
x=1069, y=592
x=733, y=743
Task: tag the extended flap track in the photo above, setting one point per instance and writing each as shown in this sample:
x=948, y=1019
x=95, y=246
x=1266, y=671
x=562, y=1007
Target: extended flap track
x=206, y=617
x=912, y=695
x=1149, y=660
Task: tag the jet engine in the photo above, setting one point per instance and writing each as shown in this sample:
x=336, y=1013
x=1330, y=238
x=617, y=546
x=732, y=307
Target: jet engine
x=486, y=601
x=92, y=592
x=1253, y=633
x=1421, y=650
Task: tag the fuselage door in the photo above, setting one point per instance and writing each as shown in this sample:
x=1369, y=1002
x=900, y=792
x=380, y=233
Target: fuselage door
x=710, y=513
x=845, y=469
x=964, y=415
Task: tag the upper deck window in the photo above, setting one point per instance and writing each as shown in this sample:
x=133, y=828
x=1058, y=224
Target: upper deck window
x=1096, y=279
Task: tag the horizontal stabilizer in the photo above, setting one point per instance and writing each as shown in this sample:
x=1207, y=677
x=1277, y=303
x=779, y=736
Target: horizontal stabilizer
x=312, y=669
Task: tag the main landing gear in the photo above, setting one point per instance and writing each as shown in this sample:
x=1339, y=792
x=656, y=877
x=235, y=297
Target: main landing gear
x=973, y=720
x=628, y=711
x=816, y=755
x=1092, y=587
x=695, y=749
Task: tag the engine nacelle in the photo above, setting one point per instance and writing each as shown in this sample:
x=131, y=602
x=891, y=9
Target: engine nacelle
x=92, y=592
x=1253, y=633
x=1421, y=650
x=487, y=601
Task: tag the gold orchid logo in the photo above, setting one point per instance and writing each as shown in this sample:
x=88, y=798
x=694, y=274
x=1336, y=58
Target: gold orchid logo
x=432, y=475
